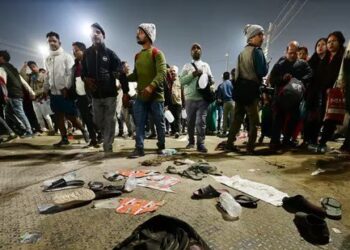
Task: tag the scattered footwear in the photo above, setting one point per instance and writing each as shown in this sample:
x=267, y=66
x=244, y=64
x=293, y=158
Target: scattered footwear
x=207, y=192
x=332, y=207
x=312, y=228
x=61, y=184
x=246, y=201
x=137, y=153
x=299, y=204
x=189, y=146
x=177, y=135
x=104, y=192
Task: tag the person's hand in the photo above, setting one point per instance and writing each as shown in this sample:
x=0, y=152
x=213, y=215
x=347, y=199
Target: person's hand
x=148, y=91
x=64, y=93
x=126, y=100
x=90, y=84
x=287, y=77
x=44, y=96
x=197, y=73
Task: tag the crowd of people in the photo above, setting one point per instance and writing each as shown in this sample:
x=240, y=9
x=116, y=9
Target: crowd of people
x=302, y=97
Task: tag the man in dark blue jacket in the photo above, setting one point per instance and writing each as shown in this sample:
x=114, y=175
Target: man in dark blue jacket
x=100, y=69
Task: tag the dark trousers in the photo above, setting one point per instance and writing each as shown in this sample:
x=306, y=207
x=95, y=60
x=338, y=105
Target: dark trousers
x=85, y=109
x=329, y=127
x=280, y=123
x=175, y=109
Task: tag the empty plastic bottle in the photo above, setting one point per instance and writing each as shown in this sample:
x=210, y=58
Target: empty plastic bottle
x=169, y=151
x=231, y=206
x=130, y=184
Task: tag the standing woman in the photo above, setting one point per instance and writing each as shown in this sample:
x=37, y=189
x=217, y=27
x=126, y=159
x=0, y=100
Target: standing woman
x=313, y=96
x=336, y=49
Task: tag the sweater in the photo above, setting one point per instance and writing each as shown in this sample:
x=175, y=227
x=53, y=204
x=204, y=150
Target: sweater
x=59, y=70
x=189, y=82
x=149, y=70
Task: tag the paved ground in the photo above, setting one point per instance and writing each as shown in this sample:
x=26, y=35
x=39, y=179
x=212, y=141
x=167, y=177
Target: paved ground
x=26, y=163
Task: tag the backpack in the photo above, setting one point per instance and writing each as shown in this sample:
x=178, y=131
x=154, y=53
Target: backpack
x=163, y=233
x=207, y=93
x=291, y=94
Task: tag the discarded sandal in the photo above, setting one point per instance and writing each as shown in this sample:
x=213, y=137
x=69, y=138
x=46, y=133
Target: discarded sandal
x=104, y=192
x=207, y=193
x=332, y=207
x=192, y=175
x=246, y=201
x=61, y=184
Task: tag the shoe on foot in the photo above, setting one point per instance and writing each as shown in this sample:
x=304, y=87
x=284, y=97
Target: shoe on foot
x=152, y=136
x=62, y=142
x=27, y=135
x=85, y=135
x=232, y=148
x=312, y=228
x=190, y=146
x=11, y=137
x=201, y=148
x=138, y=152
x=177, y=135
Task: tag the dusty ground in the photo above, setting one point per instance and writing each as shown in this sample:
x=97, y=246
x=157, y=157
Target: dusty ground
x=26, y=163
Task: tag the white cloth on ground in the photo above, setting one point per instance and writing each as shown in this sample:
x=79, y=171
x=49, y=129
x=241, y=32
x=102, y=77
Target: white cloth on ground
x=258, y=190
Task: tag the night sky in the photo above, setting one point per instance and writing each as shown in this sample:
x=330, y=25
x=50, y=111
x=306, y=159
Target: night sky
x=216, y=25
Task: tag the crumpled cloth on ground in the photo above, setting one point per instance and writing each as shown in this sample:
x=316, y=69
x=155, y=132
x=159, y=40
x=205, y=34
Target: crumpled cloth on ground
x=258, y=190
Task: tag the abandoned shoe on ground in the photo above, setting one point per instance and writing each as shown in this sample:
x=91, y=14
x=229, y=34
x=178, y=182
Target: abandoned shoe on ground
x=298, y=203
x=312, y=228
x=332, y=207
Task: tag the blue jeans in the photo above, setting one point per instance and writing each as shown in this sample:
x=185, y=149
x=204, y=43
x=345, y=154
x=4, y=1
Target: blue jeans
x=17, y=106
x=141, y=110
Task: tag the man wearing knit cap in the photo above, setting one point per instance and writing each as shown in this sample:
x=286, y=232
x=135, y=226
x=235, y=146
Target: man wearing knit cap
x=196, y=106
x=251, y=68
x=149, y=73
x=100, y=69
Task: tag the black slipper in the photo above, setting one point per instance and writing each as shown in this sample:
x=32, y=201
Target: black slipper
x=63, y=184
x=246, y=201
x=207, y=193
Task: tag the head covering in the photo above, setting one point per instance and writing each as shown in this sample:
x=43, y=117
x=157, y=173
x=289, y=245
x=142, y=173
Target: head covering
x=252, y=30
x=175, y=68
x=99, y=27
x=150, y=30
x=196, y=44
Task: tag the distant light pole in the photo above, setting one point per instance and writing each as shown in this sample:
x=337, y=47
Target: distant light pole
x=227, y=60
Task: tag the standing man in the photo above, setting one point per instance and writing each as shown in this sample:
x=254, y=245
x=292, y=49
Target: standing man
x=196, y=106
x=251, y=68
x=10, y=76
x=41, y=107
x=100, y=69
x=83, y=99
x=225, y=91
x=150, y=75
x=175, y=100
x=58, y=81
x=282, y=72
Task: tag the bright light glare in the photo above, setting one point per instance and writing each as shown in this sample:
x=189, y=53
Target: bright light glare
x=43, y=50
x=86, y=29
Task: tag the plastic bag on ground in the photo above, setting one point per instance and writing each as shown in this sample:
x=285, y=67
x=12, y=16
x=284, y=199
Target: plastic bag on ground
x=230, y=205
x=130, y=184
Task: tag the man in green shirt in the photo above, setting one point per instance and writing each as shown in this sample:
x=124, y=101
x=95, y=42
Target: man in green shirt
x=149, y=73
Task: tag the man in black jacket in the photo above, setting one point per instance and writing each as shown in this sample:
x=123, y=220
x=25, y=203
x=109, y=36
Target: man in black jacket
x=100, y=69
x=284, y=70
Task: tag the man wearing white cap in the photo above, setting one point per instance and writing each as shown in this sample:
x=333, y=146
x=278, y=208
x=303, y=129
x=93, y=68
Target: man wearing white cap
x=150, y=75
x=251, y=68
